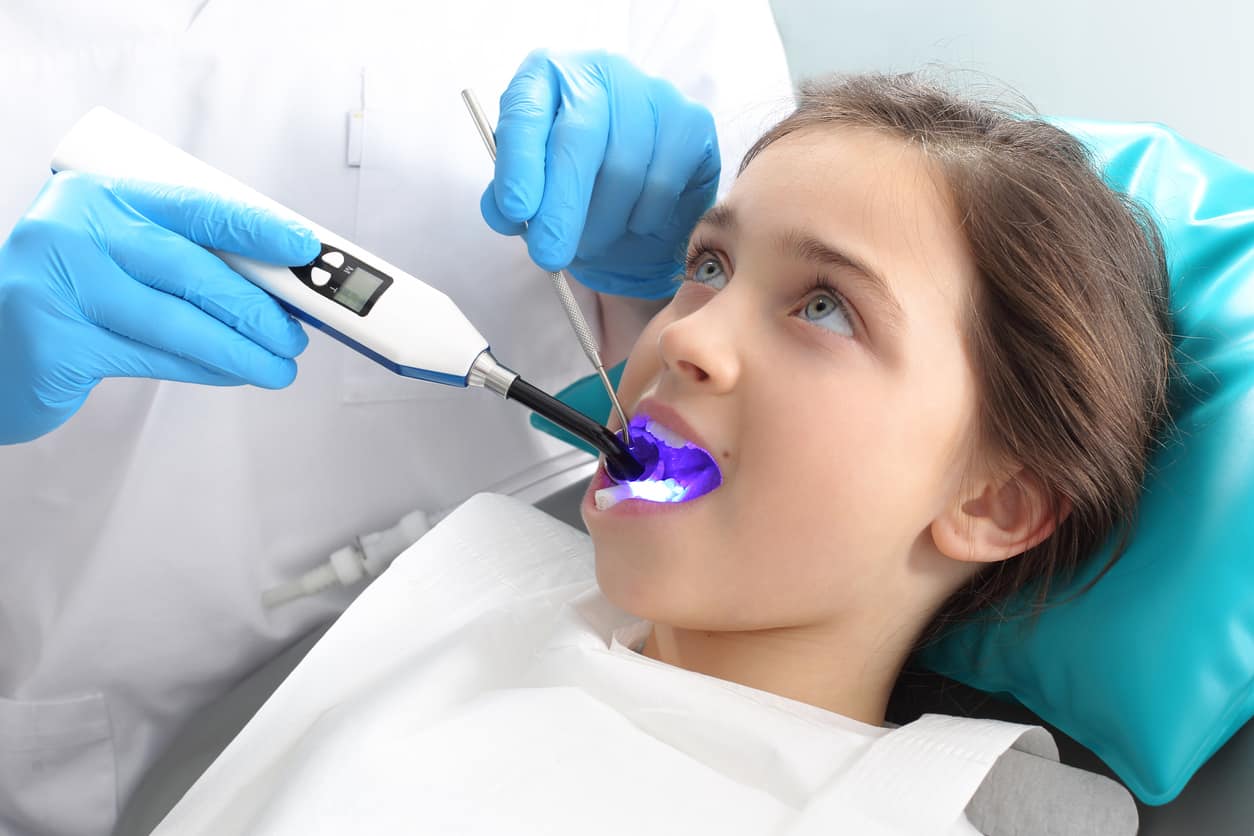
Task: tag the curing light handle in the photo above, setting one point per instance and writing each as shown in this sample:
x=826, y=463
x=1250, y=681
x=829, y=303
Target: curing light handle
x=619, y=461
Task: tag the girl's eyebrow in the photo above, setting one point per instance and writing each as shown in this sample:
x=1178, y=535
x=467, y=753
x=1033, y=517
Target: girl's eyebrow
x=807, y=247
x=720, y=216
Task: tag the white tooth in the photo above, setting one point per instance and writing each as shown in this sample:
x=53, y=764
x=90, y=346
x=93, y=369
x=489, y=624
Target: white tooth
x=611, y=496
x=666, y=436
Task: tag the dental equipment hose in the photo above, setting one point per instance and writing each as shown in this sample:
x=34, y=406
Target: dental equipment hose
x=367, y=556
x=573, y=314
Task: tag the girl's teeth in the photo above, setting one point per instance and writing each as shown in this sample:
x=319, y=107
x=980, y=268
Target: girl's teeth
x=666, y=490
x=664, y=435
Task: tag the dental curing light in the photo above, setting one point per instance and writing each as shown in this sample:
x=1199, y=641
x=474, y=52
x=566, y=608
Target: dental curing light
x=356, y=297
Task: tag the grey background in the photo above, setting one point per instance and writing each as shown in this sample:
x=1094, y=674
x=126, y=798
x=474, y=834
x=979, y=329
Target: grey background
x=1189, y=65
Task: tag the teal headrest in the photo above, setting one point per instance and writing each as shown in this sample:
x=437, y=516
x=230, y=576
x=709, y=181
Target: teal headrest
x=1153, y=668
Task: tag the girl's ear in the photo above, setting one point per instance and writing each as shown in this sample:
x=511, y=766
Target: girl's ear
x=998, y=518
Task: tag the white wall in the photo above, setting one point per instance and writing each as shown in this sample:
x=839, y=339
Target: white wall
x=1187, y=64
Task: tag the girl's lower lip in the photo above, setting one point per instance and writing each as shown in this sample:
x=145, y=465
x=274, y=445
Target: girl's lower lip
x=627, y=507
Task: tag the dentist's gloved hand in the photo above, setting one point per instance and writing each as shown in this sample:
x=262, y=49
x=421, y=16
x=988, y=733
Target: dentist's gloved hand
x=609, y=168
x=99, y=279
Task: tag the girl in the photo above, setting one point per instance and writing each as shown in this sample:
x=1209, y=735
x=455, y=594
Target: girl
x=929, y=349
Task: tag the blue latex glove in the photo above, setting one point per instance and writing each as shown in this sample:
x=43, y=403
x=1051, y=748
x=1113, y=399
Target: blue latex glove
x=609, y=168
x=99, y=279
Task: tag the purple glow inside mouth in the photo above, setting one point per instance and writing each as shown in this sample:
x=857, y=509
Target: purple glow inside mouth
x=675, y=470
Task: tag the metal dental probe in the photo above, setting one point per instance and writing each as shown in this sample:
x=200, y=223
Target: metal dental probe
x=573, y=313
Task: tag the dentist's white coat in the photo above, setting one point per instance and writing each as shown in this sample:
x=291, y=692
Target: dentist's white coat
x=135, y=540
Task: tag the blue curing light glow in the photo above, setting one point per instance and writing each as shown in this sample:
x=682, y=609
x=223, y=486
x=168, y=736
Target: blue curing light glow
x=668, y=490
x=675, y=470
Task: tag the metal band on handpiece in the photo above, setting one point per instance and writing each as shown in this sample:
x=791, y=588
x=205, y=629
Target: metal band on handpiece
x=488, y=373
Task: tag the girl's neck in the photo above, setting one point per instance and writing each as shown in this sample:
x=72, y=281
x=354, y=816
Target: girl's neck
x=847, y=671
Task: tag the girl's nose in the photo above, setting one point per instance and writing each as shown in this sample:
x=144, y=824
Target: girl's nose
x=701, y=348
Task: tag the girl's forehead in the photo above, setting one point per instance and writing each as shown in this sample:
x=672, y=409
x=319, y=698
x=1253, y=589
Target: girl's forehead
x=850, y=173
x=882, y=197
x=868, y=194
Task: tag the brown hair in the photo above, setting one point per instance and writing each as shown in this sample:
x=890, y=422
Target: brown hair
x=1068, y=326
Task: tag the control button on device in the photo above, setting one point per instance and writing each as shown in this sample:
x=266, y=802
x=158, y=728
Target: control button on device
x=334, y=258
x=319, y=276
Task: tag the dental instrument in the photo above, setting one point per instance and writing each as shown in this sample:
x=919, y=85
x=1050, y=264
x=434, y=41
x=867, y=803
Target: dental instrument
x=573, y=314
x=675, y=470
x=347, y=292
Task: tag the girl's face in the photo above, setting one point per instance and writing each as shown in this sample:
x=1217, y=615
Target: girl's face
x=815, y=350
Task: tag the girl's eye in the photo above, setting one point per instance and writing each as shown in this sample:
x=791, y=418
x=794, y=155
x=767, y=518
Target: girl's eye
x=708, y=270
x=827, y=309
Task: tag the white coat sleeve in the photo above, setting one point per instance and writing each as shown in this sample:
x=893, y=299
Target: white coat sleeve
x=728, y=56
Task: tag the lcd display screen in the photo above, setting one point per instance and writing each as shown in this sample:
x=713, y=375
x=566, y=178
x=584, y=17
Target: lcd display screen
x=357, y=289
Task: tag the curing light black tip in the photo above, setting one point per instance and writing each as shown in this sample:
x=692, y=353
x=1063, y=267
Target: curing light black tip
x=618, y=459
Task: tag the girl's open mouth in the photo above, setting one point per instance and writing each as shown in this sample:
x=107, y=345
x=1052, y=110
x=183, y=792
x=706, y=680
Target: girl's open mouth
x=675, y=469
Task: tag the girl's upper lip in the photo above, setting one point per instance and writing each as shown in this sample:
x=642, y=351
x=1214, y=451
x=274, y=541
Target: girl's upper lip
x=669, y=418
